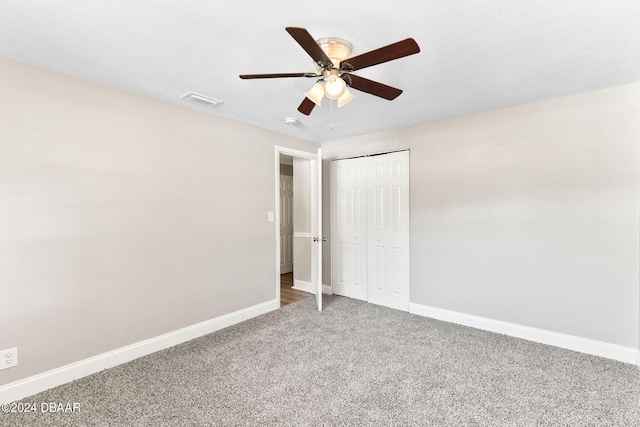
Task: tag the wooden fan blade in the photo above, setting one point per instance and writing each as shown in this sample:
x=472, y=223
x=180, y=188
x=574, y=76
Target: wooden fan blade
x=306, y=106
x=304, y=39
x=384, y=54
x=275, y=76
x=374, y=88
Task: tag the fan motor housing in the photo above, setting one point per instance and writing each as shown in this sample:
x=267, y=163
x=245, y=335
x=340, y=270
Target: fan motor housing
x=337, y=49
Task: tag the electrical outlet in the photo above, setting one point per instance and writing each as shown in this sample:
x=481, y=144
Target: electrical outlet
x=8, y=358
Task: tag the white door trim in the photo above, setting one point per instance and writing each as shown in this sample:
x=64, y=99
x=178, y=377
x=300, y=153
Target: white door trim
x=287, y=152
x=316, y=227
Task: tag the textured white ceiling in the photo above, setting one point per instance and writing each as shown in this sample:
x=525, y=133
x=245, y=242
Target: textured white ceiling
x=476, y=55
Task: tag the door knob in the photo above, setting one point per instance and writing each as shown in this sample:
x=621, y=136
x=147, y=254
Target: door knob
x=318, y=239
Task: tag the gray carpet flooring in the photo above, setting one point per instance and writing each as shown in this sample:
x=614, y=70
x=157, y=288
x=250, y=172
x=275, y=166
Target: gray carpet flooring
x=354, y=364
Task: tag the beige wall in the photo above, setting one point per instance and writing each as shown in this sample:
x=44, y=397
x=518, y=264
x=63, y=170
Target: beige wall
x=526, y=214
x=123, y=218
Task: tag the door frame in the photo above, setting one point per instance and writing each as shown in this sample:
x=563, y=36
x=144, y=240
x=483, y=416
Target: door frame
x=308, y=155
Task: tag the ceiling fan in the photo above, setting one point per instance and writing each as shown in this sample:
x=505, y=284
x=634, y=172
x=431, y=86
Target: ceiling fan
x=335, y=65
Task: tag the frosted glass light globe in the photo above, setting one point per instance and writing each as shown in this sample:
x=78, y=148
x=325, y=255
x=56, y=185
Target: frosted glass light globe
x=334, y=87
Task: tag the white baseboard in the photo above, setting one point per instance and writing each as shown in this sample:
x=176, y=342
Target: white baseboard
x=46, y=380
x=569, y=342
x=302, y=285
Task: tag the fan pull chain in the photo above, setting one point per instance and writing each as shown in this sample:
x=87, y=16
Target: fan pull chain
x=331, y=124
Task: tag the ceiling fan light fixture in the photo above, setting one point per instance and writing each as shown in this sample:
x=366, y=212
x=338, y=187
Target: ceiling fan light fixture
x=334, y=86
x=346, y=98
x=334, y=65
x=315, y=94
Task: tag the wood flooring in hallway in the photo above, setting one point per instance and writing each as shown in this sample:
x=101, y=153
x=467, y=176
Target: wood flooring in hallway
x=289, y=295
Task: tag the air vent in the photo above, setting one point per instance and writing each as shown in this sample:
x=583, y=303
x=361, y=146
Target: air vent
x=200, y=99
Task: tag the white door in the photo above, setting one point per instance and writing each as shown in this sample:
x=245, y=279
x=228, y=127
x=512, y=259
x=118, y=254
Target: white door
x=316, y=227
x=310, y=217
x=370, y=229
x=286, y=224
x=388, y=249
x=349, y=219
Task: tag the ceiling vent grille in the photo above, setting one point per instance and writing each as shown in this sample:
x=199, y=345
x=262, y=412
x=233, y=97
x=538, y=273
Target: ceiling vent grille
x=200, y=99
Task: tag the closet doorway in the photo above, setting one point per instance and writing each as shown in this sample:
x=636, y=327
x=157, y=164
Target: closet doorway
x=370, y=228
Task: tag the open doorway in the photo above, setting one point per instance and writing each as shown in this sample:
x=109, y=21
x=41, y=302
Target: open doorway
x=289, y=293
x=298, y=225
